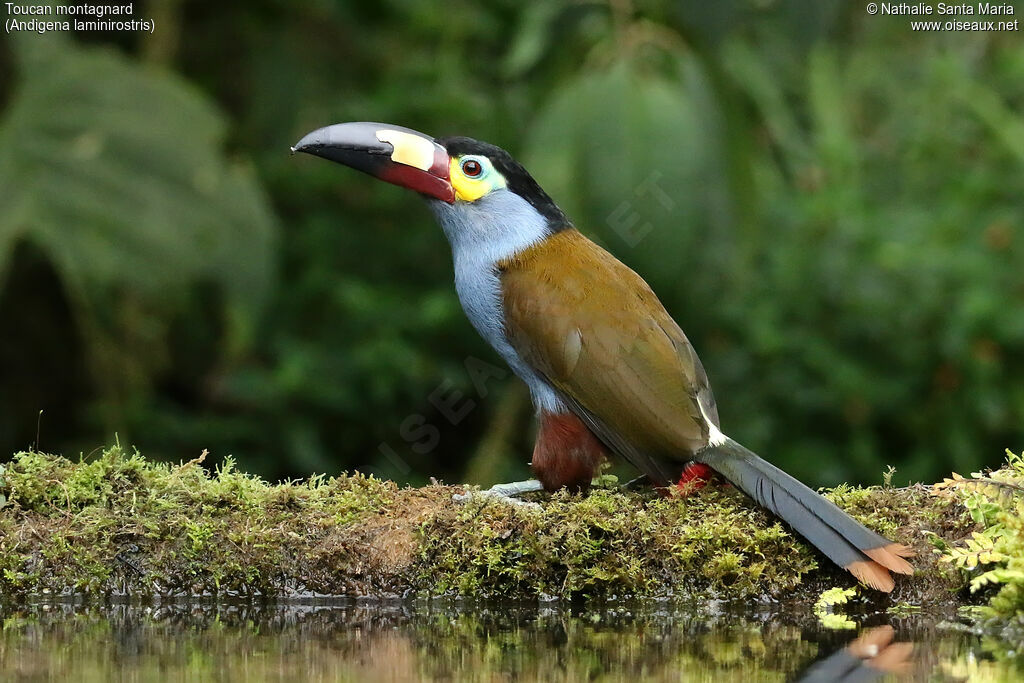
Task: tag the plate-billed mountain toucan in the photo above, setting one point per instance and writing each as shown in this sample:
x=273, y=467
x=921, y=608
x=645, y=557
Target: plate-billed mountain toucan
x=607, y=367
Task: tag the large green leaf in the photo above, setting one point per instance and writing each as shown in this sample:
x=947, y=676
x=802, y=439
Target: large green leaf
x=117, y=173
x=633, y=156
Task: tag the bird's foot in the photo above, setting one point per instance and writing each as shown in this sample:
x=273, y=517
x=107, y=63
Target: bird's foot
x=635, y=484
x=696, y=475
x=506, y=492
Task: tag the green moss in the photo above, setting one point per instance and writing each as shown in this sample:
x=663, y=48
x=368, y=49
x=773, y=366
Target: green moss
x=713, y=542
x=118, y=523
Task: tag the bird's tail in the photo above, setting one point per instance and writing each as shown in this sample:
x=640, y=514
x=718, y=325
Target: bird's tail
x=865, y=554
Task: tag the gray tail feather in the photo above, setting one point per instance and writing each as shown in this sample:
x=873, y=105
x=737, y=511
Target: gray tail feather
x=840, y=537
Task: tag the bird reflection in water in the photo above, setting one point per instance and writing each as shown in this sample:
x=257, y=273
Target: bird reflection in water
x=870, y=656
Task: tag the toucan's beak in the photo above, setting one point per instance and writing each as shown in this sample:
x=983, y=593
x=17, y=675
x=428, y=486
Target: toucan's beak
x=392, y=153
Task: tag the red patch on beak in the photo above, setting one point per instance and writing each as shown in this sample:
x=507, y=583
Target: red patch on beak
x=435, y=182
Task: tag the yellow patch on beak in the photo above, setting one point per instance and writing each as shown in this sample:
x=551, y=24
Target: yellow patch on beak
x=411, y=150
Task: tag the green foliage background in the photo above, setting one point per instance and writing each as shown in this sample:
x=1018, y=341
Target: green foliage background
x=828, y=202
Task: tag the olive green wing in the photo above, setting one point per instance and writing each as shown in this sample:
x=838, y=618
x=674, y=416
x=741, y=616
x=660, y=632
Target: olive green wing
x=598, y=333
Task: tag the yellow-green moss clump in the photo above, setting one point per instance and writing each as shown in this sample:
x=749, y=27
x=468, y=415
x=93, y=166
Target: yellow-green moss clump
x=123, y=524
x=119, y=524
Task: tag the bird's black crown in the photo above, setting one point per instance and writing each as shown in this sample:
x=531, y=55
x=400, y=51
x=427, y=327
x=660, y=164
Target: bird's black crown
x=518, y=178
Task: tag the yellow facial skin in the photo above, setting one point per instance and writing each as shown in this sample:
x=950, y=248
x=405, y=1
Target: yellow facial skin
x=469, y=188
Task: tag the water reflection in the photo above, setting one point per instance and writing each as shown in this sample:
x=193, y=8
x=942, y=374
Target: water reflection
x=426, y=641
x=868, y=657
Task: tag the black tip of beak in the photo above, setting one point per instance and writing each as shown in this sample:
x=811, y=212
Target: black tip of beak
x=346, y=143
x=394, y=154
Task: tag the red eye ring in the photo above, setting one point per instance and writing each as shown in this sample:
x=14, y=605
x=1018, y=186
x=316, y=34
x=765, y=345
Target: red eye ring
x=472, y=168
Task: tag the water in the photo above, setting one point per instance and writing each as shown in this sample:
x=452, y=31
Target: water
x=364, y=641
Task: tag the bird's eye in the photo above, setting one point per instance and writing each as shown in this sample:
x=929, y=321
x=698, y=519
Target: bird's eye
x=472, y=168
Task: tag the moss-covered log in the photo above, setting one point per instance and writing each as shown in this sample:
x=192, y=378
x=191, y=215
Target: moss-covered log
x=119, y=524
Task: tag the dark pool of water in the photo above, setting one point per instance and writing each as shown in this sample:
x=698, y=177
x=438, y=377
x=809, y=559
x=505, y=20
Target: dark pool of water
x=352, y=641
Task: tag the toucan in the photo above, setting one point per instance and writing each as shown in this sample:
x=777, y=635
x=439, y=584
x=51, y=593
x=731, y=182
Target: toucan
x=608, y=369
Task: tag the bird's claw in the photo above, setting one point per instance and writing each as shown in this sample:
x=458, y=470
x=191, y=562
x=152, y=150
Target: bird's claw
x=635, y=484
x=506, y=493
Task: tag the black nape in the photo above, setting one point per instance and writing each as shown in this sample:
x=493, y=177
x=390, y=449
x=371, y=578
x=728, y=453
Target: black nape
x=518, y=178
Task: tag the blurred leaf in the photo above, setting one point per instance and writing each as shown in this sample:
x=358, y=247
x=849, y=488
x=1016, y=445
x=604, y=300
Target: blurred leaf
x=532, y=37
x=632, y=158
x=748, y=68
x=1004, y=123
x=116, y=172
